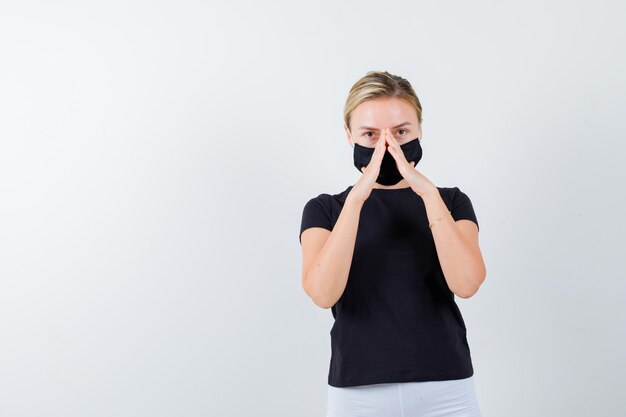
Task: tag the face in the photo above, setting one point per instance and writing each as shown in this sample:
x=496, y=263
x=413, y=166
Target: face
x=370, y=117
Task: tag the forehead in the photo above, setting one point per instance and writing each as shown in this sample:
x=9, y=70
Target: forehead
x=383, y=112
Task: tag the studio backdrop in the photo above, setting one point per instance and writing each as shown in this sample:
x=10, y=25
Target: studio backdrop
x=155, y=159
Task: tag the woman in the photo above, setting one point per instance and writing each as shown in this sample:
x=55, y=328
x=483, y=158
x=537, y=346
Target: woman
x=387, y=255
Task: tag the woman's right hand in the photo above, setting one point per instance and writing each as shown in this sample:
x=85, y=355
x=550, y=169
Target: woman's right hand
x=363, y=187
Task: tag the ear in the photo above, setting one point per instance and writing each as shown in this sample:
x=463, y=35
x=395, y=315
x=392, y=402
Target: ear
x=348, y=135
x=420, y=134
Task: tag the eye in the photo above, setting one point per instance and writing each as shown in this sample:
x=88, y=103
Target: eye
x=402, y=130
x=365, y=134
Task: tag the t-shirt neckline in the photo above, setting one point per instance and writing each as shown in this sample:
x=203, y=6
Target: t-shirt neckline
x=385, y=190
x=392, y=189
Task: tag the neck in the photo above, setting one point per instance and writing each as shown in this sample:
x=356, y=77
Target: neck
x=402, y=184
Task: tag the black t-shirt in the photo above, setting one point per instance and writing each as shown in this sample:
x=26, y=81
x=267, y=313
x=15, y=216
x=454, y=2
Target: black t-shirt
x=396, y=320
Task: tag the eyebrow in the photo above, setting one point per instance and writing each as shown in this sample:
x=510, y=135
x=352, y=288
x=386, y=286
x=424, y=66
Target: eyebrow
x=373, y=128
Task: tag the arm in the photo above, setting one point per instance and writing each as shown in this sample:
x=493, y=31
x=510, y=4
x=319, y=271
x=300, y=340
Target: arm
x=457, y=247
x=327, y=256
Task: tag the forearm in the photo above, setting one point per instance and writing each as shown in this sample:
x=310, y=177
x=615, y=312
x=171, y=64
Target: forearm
x=329, y=272
x=460, y=262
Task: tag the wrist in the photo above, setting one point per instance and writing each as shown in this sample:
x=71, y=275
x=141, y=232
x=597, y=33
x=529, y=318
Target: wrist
x=431, y=194
x=353, y=201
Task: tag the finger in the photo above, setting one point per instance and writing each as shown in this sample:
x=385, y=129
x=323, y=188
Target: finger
x=394, y=149
x=392, y=141
x=379, y=151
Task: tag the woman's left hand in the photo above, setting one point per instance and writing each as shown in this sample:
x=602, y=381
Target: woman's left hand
x=418, y=182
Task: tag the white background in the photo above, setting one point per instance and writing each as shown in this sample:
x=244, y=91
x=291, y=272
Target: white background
x=155, y=158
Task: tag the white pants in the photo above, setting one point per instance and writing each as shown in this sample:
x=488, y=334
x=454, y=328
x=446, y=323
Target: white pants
x=451, y=398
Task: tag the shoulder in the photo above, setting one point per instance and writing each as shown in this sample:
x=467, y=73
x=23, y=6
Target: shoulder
x=323, y=210
x=449, y=190
x=326, y=205
x=458, y=203
x=452, y=193
x=329, y=199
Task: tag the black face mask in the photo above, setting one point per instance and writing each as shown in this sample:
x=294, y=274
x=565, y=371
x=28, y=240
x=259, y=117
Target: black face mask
x=389, y=174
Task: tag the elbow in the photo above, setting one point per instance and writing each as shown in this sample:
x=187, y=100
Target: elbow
x=326, y=302
x=466, y=294
x=315, y=296
x=321, y=302
x=470, y=290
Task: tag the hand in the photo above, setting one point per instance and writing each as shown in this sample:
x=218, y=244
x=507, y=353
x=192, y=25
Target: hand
x=418, y=182
x=363, y=187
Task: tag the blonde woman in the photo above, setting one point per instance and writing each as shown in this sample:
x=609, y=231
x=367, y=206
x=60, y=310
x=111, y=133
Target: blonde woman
x=387, y=255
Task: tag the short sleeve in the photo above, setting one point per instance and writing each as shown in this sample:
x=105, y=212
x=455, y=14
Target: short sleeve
x=315, y=214
x=461, y=207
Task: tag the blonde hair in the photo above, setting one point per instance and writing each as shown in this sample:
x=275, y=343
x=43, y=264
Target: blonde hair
x=376, y=84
